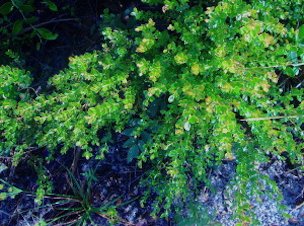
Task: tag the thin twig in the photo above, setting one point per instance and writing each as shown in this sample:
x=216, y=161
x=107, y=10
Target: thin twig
x=271, y=118
x=298, y=86
x=69, y=222
x=276, y=66
x=67, y=215
x=46, y=23
x=291, y=170
x=298, y=206
x=119, y=219
x=77, y=153
x=56, y=197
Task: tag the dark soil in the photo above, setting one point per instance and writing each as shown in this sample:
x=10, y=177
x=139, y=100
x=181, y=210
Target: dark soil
x=289, y=179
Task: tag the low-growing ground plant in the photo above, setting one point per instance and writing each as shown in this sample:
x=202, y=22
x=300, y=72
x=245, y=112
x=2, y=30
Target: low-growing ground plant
x=76, y=208
x=194, y=84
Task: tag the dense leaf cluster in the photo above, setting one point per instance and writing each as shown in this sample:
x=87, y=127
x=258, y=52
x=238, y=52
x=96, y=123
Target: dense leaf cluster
x=192, y=85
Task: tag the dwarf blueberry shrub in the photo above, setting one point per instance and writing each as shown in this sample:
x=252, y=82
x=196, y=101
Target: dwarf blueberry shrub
x=194, y=84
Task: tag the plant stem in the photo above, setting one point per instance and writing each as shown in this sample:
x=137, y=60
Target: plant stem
x=270, y=118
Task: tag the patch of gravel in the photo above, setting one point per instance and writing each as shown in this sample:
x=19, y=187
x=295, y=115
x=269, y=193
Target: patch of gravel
x=267, y=211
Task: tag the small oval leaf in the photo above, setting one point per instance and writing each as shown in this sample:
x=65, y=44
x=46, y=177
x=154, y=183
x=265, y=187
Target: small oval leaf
x=133, y=153
x=187, y=126
x=27, y=8
x=51, y=5
x=301, y=34
x=171, y=99
x=18, y=25
x=47, y=34
x=6, y=8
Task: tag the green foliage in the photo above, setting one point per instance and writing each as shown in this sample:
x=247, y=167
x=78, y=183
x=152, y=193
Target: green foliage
x=15, y=111
x=87, y=98
x=219, y=70
x=8, y=190
x=205, y=89
x=41, y=223
x=43, y=181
